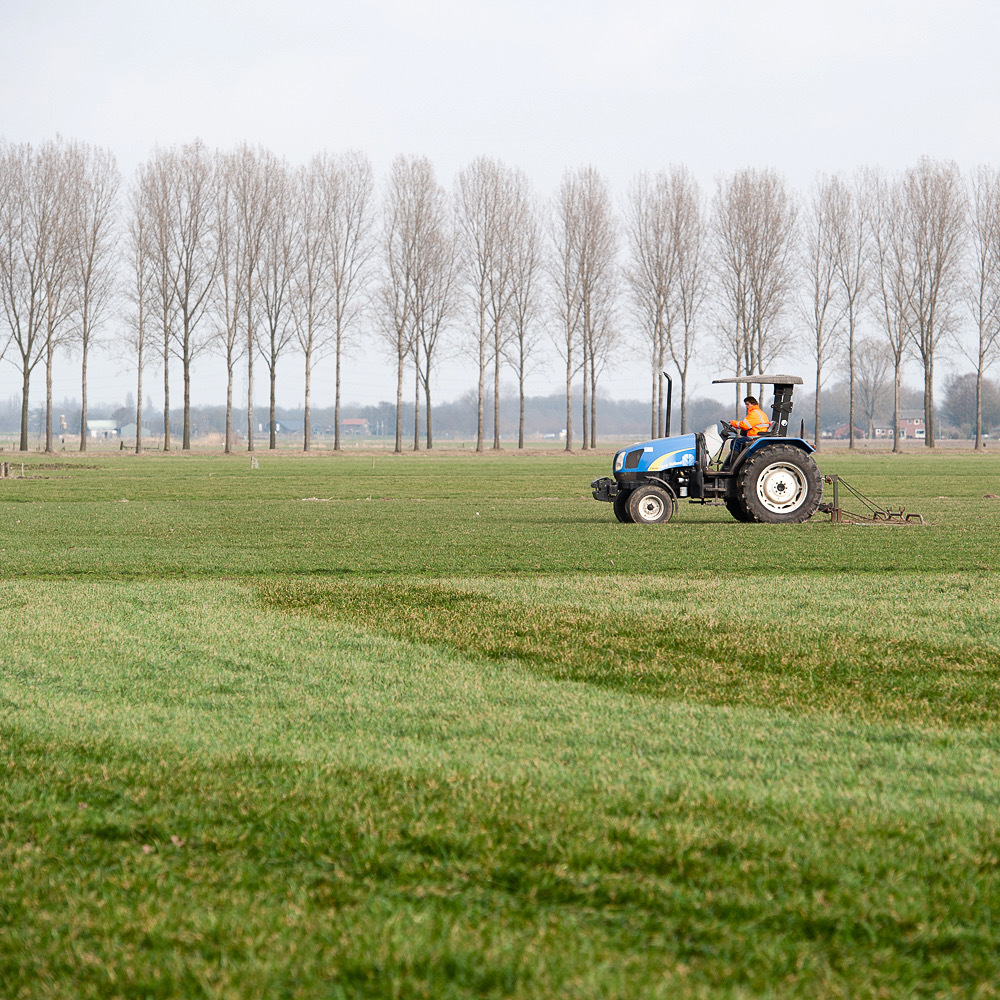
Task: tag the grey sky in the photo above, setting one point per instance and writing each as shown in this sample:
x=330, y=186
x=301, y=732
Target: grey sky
x=544, y=84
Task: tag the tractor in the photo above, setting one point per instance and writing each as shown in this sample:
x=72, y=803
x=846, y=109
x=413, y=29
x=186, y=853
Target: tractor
x=769, y=478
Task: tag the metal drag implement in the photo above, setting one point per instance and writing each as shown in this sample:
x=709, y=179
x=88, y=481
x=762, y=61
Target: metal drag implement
x=875, y=515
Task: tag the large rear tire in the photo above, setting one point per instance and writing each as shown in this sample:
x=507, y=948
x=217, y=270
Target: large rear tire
x=621, y=506
x=652, y=505
x=780, y=484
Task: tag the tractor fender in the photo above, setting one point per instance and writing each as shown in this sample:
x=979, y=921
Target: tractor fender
x=762, y=443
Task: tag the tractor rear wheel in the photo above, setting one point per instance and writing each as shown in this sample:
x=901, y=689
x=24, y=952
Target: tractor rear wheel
x=780, y=484
x=621, y=506
x=652, y=505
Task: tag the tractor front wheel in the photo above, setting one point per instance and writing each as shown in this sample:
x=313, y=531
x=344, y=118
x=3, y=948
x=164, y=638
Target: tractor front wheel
x=737, y=508
x=780, y=485
x=651, y=505
x=621, y=506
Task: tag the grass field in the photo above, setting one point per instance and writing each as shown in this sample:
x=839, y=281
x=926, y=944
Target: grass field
x=438, y=726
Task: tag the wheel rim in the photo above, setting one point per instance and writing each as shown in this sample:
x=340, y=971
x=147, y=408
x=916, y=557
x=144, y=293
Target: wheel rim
x=782, y=488
x=651, y=508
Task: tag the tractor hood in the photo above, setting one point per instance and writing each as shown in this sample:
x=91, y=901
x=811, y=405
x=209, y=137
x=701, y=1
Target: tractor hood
x=657, y=455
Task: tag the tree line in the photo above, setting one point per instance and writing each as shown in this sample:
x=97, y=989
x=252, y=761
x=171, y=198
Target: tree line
x=238, y=253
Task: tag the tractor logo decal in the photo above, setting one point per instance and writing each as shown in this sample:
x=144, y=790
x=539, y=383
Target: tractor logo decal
x=665, y=461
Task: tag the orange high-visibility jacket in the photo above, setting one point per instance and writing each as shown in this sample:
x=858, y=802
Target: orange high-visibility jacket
x=756, y=421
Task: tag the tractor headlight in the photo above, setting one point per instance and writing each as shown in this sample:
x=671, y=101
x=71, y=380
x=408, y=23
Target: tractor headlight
x=619, y=461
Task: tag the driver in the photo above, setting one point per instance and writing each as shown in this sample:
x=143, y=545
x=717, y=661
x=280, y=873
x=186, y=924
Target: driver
x=756, y=421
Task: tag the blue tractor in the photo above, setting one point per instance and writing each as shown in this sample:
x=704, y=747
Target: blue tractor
x=770, y=478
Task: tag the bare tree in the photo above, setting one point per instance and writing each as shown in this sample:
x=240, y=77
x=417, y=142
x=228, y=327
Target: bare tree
x=486, y=193
x=664, y=234
x=690, y=286
x=820, y=267
x=585, y=266
x=335, y=261
x=525, y=248
x=893, y=277
x=98, y=181
x=567, y=238
x=434, y=305
x=36, y=261
x=155, y=184
x=139, y=294
x=8, y=191
x=194, y=257
x=229, y=304
x=983, y=292
x=251, y=182
x=936, y=217
x=312, y=292
x=600, y=273
x=754, y=229
x=873, y=363
x=650, y=273
x=851, y=234
x=54, y=195
x=25, y=237
x=413, y=216
x=276, y=267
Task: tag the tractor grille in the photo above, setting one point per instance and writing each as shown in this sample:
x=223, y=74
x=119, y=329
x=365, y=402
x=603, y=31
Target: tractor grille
x=632, y=459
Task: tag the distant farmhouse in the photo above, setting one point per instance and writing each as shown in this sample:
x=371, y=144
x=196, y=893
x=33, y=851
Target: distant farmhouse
x=911, y=425
x=103, y=429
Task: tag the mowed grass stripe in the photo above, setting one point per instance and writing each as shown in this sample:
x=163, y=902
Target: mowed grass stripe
x=252, y=877
x=690, y=639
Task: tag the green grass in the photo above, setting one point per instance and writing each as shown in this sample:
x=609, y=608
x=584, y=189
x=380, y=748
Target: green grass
x=441, y=727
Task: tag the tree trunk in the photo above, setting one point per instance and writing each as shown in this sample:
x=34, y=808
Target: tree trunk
x=49, y=358
x=186, y=435
x=249, y=387
x=979, y=406
x=850, y=376
x=653, y=407
x=229, y=405
x=336, y=401
x=272, y=442
x=520, y=416
x=593, y=407
x=929, y=403
x=166, y=388
x=480, y=406
x=399, y=404
x=416, y=403
x=569, y=401
x=83, y=398
x=306, y=436
x=25, y=382
x=138, y=407
x=896, y=446
x=496, y=394
x=819, y=366
x=427, y=407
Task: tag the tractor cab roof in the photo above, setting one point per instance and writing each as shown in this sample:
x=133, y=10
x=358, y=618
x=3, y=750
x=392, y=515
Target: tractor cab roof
x=761, y=380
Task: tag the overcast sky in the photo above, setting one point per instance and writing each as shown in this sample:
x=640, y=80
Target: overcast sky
x=545, y=85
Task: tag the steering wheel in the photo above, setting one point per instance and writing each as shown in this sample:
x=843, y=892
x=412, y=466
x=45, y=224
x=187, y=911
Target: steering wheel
x=727, y=430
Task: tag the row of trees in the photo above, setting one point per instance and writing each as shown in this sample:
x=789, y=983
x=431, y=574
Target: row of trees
x=238, y=253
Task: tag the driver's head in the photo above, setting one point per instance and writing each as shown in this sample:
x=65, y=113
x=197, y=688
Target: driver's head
x=751, y=401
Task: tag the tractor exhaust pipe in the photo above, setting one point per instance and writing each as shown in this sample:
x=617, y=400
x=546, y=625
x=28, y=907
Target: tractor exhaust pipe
x=670, y=393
